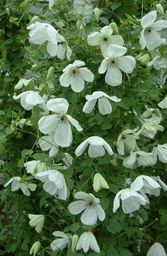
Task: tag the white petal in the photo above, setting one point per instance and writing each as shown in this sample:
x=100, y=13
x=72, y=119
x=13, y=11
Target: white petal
x=86, y=74
x=163, y=103
x=77, y=207
x=89, y=105
x=58, y=105
x=126, y=64
x=63, y=136
x=156, y=250
x=52, y=49
x=81, y=148
x=100, y=212
x=89, y=216
x=96, y=151
x=104, y=66
x=148, y=19
x=75, y=123
x=94, y=38
x=77, y=83
x=129, y=161
x=65, y=79
x=47, y=123
x=116, y=203
x=158, y=25
x=113, y=76
x=93, y=243
x=130, y=205
x=116, y=51
x=104, y=106
x=83, y=242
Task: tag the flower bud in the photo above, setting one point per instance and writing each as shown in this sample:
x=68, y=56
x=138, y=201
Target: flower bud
x=143, y=59
x=8, y=11
x=99, y=182
x=35, y=248
x=160, y=9
x=34, y=19
x=114, y=27
x=80, y=24
x=74, y=242
x=50, y=72
x=97, y=13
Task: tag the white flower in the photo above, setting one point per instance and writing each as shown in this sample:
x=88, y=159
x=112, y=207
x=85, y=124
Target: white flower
x=76, y=75
x=150, y=128
x=42, y=32
x=163, y=103
x=104, y=38
x=140, y=158
x=22, y=82
x=48, y=143
x=161, y=152
x=29, y=99
x=104, y=105
x=83, y=7
x=59, y=123
x=87, y=240
x=146, y=184
x=37, y=221
x=61, y=242
x=96, y=148
x=131, y=200
x=17, y=184
x=35, y=248
x=99, y=182
x=156, y=250
x=91, y=207
x=127, y=140
x=34, y=166
x=158, y=62
x=150, y=38
x=114, y=63
x=161, y=183
x=63, y=50
x=54, y=183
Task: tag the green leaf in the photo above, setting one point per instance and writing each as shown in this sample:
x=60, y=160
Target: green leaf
x=2, y=136
x=114, y=226
x=74, y=227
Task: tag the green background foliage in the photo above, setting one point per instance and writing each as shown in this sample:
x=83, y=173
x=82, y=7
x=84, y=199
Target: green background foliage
x=119, y=234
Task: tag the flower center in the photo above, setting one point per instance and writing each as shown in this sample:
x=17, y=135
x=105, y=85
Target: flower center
x=112, y=62
x=148, y=30
x=74, y=72
x=62, y=117
x=91, y=202
x=105, y=39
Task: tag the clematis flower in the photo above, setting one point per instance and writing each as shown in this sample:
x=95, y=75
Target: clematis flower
x=127, y=140
x=99, y=182
x=76, y=75
x=42, y=32
x=139, y=158
x=87, y=240
x=163, y=103
x=96, y=148
x=37, y=221
x=83, y=7
x=54, y=183
x=48, y=143
x=62, y=240
x=59, y=123
x=114, y=63
x=35, y=248
x=146, y=184
x=160, y=151
x=158, y=63
x=156, y=249
x=131, y=200
x=104, y=105
x=104, y=38
x=29, y=99
x=91, y=207
x=150, y=38
x=35, y=166
x=17, y=184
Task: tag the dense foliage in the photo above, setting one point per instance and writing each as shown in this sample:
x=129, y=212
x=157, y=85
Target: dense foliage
x=83, y=144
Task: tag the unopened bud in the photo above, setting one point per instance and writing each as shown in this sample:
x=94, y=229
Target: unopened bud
x=99, y=182
x=74, y=242
x=143, y=59
x=114, y=27
x=80, y=24
x=97, y=13
x=35, y=248
x=34, y=19
x=160, y=9
x=8, y=11
x=50, y=72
